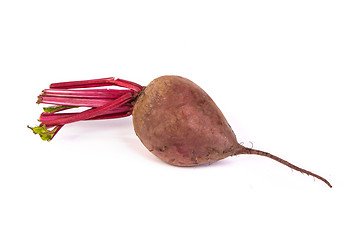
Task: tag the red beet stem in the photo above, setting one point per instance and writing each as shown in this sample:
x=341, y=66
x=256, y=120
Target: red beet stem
x=115, y=113
x=48, y=119
x=57, y=130
x=83, y=83
x=85, y=93
x=104, y=103
x=76, y=102
x=127, y=84
x=245, y=150
x=112, y=116
x=98, y=83
x=87, y=114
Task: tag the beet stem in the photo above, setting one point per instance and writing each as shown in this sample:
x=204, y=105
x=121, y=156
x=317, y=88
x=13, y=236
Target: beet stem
x=116, y=113
x=75, y=102
x=83, y=83
x=245, y=150
x=103, y=103
x=98, y=83
x=85, y=93
x=87, y=114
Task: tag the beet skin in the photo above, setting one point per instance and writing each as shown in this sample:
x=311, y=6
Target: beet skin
x=178, y=122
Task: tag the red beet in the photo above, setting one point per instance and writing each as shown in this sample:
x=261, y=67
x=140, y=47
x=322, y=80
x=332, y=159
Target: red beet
x=173, y=117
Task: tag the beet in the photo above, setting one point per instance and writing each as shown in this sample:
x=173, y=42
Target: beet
x=178, y=122
x=173, y=117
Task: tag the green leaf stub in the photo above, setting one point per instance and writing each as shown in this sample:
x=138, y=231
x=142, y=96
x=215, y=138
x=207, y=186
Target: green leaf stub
x=56, y=108
x=43, y=132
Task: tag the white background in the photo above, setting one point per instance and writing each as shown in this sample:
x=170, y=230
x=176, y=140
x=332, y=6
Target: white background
x=284, y=73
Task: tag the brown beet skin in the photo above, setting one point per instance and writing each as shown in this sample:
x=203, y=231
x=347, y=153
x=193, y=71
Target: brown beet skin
x=178, y=122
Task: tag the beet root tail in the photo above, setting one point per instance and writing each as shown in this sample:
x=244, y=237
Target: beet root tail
x=245, y=150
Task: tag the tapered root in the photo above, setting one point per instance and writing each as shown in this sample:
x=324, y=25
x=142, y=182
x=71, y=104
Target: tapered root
x=245, y=150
